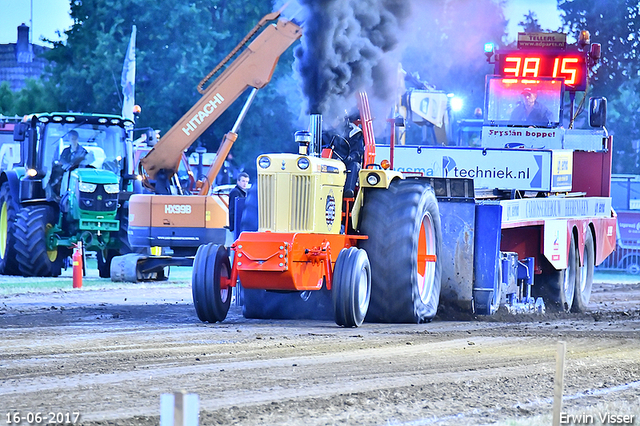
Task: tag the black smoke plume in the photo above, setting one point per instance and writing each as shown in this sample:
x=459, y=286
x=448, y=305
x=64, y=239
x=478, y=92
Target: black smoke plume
x=346, y=47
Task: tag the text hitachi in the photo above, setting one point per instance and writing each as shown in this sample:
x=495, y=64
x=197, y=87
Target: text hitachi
x=206, y=110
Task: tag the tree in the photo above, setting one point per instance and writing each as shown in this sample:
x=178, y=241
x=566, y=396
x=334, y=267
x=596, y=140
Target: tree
x=33, y=97
x=530, y=23
x=177, y=44
x=6, y=99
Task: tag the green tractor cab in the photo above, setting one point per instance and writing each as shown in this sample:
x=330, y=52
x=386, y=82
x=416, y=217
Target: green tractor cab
x=73, y=186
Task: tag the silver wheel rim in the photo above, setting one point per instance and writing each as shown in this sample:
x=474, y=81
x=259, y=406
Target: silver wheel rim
x=363, y=290
x=583, y=271
x=569, y=286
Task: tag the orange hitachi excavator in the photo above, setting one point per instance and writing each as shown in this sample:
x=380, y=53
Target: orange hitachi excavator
x=181, y=223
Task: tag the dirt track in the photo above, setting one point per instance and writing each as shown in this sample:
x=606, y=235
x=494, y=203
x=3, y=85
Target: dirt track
x=110, y=354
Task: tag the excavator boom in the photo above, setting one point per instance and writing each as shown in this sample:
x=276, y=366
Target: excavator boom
x=252, y=68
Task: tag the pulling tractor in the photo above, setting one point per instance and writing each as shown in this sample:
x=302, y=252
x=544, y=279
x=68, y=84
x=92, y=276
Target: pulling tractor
x=311, y=238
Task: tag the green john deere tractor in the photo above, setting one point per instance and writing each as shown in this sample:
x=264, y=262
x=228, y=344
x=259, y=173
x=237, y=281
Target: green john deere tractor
x=59, y=195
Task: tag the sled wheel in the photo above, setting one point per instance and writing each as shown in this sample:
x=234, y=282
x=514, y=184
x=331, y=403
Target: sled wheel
x=584, y=280
x=351, y=289
x=209, y=283
x=557, y=287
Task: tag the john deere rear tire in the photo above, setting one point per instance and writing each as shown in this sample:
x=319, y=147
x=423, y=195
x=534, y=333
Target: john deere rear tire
x=210, y=299
x=557, y=287
x=34, y=258
x=584, y=278
x=403, y=227
x=8, y=262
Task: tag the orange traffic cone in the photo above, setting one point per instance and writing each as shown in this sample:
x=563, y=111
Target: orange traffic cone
x=77, y=265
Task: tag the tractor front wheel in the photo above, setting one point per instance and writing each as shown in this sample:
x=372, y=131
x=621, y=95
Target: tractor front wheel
x=351, y=288
x=35, y=258
x=211, y=293
x=104, y=262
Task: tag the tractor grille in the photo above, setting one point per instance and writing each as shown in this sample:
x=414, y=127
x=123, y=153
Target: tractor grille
x=273, y=206
x=98, y=200
x=300, y=203
x=267, y=201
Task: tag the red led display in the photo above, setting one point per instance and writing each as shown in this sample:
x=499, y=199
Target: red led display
x=522, y=64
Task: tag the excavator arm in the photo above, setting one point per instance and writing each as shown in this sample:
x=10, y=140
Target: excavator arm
x=252, y=68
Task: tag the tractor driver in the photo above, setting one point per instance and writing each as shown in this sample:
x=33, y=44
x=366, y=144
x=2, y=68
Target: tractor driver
x=348, y=147
x=74, y=154
x=530, y=110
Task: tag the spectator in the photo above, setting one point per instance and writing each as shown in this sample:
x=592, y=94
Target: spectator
x=240, y=191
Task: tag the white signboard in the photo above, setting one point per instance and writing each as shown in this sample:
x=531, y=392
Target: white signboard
x=528, y=137
x=491, y=168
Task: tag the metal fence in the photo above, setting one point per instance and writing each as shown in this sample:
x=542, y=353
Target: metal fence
x=626, y=257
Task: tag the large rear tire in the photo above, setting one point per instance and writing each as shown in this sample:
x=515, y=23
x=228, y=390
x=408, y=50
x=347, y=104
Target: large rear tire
x=34, y=258
x=8, y=262
x=403, y=228
x=584, y=278
x=211, y=297
x=351, y=289
x=557, y=287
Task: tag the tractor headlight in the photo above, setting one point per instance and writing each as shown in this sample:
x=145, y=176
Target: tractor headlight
x=303, y=163
x=264, y=162
x=373, y=179
x=112, y=188
x=87, y=187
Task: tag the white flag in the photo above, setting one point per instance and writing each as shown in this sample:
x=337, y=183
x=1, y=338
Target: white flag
x=128, y=80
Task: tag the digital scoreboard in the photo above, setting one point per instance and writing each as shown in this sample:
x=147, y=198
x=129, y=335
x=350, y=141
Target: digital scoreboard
x=538, y=63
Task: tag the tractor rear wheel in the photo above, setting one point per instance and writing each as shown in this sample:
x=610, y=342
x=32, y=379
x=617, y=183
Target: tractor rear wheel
x=404, y=238
x=34, y=258
x=351, y=288
x=584, y=278
x=104, y=262
x=211, y=297
x=8, y=262
x=557, y=287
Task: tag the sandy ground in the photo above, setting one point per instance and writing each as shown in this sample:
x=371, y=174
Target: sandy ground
x=109, y=354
